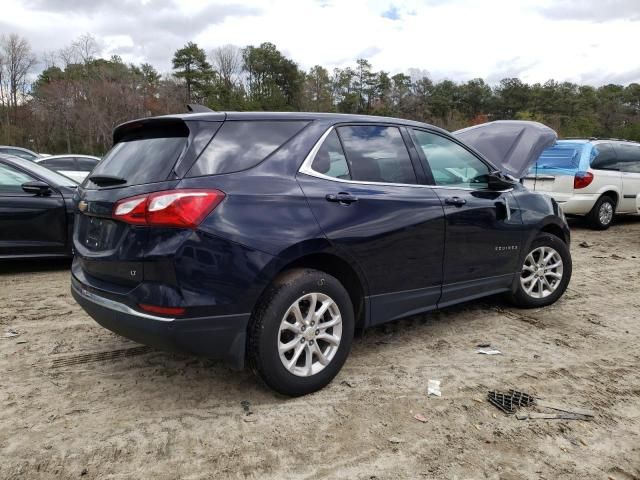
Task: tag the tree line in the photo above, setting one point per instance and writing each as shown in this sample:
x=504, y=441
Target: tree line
x=78, y=98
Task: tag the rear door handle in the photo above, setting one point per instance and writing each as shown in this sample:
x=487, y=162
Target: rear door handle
x=342, y=197
x=457, y=201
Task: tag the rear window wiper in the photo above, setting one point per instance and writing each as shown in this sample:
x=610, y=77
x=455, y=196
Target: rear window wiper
x=107, y=180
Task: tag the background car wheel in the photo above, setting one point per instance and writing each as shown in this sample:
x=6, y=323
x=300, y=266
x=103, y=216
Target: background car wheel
x=601, y=215
x=301, y=332
x=546, y=272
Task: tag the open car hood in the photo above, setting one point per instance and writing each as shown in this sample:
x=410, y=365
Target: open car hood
x=511, y=145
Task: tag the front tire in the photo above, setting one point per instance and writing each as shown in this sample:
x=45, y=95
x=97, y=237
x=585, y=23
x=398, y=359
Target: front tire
x=545, y=273
x=601, y=215
x=301, y=332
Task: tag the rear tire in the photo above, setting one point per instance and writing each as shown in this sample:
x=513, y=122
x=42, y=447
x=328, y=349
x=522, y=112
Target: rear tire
x=545, y=273
x=601, y=215
x=301, y=332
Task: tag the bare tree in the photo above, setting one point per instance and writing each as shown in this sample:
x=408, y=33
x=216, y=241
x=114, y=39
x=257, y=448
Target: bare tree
x=85, y=47
x=50, y=58
x=227, y=61
x=19, y=60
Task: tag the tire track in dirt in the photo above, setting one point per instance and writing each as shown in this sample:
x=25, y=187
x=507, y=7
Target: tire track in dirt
x=81, y=359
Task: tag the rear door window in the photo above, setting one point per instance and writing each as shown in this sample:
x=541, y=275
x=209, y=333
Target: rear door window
x=628, y=157
x=146, y=155
x=377, y=154
x=240, y=145
x=603, y=157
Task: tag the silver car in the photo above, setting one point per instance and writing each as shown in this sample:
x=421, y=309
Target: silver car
x=76, y=167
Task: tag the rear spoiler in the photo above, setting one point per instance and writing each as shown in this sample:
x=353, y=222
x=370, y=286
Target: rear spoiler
x=149, y=128
x=167, y=125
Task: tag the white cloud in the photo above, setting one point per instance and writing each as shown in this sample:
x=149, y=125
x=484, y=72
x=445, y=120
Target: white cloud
x=458, y=39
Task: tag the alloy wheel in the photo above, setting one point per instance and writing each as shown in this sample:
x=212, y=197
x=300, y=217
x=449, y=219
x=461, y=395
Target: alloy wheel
x=542, y=272
x=309, y=334
x=605, y=213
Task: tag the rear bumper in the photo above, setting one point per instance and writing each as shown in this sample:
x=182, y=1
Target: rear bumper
x=575, y=204
x=220, y=337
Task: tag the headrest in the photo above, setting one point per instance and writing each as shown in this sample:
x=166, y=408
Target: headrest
x=322, y=162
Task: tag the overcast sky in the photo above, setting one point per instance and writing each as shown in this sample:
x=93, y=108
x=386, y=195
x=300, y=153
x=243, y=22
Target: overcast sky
x=585, y=41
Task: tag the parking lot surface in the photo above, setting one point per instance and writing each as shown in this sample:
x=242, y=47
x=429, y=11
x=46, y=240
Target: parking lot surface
x=78, y=401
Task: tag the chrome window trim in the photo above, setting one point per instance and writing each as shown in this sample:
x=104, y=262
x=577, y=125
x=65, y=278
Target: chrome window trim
x=306, y=169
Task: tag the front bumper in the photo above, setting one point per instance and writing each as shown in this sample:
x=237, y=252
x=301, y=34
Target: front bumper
x=221, y=337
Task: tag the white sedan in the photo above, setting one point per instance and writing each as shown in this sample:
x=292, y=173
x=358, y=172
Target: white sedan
x=76, y=167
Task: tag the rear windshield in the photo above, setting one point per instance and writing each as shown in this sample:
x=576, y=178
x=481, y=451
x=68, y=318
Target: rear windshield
x=239, y=145
x=144, y=157
x=561, y=155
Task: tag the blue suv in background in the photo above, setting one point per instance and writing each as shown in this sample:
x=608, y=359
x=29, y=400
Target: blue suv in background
x=267, y=238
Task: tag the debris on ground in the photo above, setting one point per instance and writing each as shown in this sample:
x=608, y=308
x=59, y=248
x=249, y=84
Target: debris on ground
x=585, y=244
x=489, y=351
x=511, y=401
x=395, y=440
x=246, y=406
x=483, y=345
x=563, y=408
x=10, y=333
x=433, y=388
x=347, y=383
x=420, y=417
x=551, y=416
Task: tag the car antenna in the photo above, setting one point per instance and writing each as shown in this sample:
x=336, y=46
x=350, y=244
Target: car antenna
x=197, y=108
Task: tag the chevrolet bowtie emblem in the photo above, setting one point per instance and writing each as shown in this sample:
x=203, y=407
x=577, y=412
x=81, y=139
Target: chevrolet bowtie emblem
x=82, y=206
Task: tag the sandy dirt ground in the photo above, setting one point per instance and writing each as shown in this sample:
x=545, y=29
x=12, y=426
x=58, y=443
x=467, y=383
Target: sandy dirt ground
x=77, y=401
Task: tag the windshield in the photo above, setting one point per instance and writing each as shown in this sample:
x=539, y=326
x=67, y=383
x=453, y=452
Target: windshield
x=49, y=176
x=561, y=156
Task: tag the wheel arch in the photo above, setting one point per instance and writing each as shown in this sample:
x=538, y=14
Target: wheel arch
x=319, y=255
x=613, y=194
x=343, y=271
x=555, y=230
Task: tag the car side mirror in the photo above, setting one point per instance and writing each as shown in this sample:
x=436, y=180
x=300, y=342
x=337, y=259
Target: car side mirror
x=499, y=181
x=37, y=188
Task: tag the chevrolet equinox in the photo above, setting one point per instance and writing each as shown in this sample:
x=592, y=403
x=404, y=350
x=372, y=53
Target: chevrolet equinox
x=268, y=238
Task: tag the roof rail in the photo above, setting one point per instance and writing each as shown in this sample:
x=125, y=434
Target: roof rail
x=599, y=138
x=197, y=108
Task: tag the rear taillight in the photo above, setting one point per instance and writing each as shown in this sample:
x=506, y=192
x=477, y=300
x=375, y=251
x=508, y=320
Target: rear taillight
x=172, y=208
x=582, y=179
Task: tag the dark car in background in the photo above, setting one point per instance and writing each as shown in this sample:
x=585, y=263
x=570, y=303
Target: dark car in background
x=36, y=210
x=270, y=237
x=18, y=152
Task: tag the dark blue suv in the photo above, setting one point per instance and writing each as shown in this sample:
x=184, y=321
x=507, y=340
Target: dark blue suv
x=267, y=238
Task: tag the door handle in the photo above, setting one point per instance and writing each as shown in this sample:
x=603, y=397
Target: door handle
x=342, y=197
x=457, y=201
